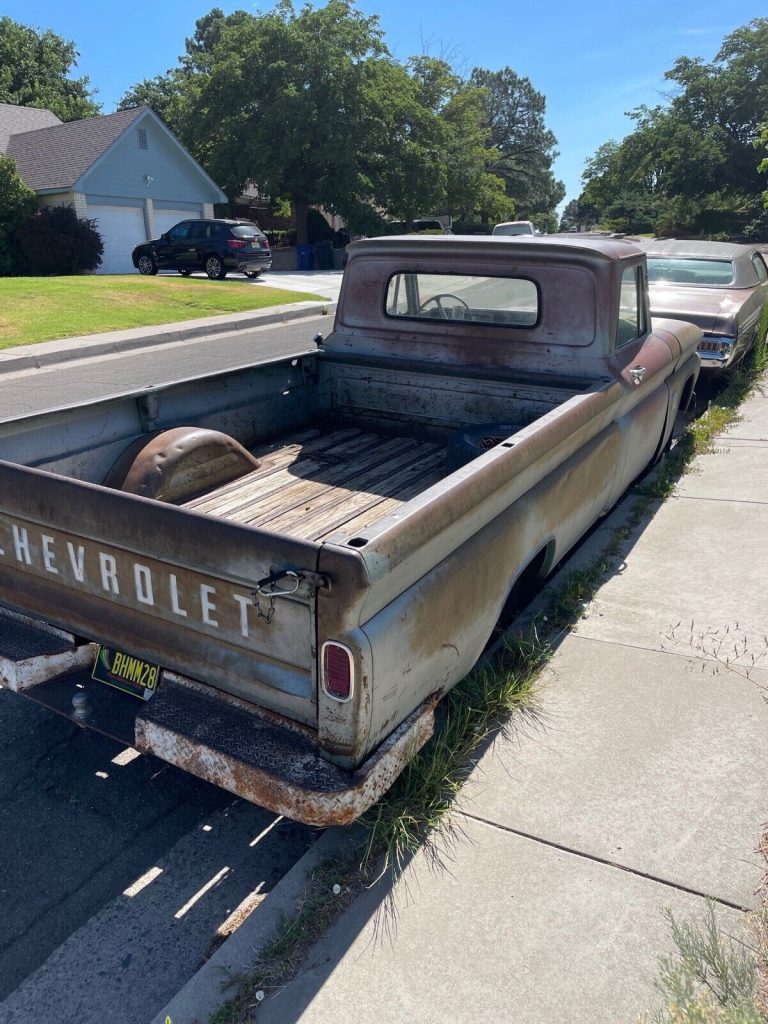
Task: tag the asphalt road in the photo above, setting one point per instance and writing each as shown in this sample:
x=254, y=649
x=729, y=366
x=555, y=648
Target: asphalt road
x=29, y=391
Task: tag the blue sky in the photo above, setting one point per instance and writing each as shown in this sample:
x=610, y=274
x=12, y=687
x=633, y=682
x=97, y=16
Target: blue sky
x=592, y=60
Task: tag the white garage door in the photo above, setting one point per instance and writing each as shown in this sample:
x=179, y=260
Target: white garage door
x=165, y=219
x=121, y=228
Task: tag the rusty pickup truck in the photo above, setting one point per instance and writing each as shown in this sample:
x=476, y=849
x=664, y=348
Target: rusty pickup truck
x=268, y=576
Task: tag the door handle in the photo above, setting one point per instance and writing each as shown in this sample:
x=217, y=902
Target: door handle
x=637, y=373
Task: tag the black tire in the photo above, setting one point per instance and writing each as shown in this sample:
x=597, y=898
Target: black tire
x=185, y=273
x=214, y=267
x=146, y=264
x=253, y=274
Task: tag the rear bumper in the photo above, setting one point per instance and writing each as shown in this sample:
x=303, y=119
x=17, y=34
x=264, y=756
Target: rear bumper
x=246, y=263
x=246, y=750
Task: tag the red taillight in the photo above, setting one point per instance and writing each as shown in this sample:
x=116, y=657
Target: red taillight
x=236, y=243
x=338, y=673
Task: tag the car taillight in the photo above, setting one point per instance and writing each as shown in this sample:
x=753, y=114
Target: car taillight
x=236, y=243
x=338, y=671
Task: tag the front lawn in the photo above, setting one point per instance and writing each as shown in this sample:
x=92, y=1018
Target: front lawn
x=45, y=308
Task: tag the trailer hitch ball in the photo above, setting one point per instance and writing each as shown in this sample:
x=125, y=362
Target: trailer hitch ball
x=81, y=705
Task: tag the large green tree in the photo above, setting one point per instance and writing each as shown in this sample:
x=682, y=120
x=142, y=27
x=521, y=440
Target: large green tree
x=35, y=69
x=514, y=113
x=692, y=161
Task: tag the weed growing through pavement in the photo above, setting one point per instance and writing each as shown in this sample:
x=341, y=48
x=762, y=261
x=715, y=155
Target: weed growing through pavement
x=710, y=979
x=331, y=887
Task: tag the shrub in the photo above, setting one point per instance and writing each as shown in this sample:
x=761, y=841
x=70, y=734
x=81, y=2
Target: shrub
x=55, y=241
x=17, y=204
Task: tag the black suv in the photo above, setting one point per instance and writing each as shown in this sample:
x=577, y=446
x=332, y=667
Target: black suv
x=215, y=246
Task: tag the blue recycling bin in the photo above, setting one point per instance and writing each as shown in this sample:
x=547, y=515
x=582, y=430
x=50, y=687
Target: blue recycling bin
x=305, y=256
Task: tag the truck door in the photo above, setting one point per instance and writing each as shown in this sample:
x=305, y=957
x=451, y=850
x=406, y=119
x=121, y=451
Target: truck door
x=643, y=362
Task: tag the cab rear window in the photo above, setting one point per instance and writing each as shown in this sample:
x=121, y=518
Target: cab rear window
x=495, y=301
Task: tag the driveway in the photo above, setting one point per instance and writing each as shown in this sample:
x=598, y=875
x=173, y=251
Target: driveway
x=326, y=283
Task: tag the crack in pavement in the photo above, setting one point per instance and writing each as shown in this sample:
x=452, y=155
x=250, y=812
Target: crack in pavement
x=597, y=859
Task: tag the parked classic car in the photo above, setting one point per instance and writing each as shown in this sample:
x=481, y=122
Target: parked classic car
x=215, y=246
x=719, y=286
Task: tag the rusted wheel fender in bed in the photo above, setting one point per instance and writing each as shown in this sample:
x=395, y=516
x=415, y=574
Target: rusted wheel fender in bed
x=178, y=464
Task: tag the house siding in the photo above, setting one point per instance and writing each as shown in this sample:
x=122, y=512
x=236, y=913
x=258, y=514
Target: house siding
x=161, y=172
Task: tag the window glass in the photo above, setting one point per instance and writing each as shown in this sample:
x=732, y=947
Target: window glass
x=680, y=270
x=503, y=301
x=199, y=229
x=759, y=265
x=631, y=310
x=179, y=232
x=246, y=231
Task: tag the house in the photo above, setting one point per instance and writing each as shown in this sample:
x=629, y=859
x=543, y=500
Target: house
x=126, y=171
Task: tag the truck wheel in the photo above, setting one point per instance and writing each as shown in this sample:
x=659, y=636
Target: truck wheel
x=146, y=264
x=215, y=268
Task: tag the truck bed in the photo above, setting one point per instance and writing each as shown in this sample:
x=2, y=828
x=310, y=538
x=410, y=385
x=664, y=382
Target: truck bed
x=318, y=485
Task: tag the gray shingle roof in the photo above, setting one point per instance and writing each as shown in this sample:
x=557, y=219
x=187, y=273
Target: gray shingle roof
x=56, y=156
x=14, y=120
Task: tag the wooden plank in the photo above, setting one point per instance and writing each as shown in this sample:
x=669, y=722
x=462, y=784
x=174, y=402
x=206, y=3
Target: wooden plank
x=315, y=484
x=382, y=481
x=346, y=478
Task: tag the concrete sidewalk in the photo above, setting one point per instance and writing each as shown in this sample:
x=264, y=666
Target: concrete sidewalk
x=643, y=787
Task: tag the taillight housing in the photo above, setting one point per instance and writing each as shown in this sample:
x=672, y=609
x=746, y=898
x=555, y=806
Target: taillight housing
x=338, y=671
x=236, y=243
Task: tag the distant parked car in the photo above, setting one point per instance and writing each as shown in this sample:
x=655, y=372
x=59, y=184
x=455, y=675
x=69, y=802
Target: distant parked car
x=215, y=246
x=719, y=286
x=514, y=227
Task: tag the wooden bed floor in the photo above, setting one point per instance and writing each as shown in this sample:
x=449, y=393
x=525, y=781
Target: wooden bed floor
x=321, y=486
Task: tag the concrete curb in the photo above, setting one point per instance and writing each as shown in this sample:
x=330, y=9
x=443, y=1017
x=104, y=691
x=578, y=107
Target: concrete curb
x=208, y=989
x=52, y=353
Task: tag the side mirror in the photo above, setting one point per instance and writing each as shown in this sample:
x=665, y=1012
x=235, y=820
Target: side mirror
x=318, y=340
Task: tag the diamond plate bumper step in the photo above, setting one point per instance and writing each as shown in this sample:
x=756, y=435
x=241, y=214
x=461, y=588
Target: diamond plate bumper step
x=246, y=750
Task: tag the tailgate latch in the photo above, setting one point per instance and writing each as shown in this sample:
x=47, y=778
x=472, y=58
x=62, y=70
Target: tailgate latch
x=283, y=583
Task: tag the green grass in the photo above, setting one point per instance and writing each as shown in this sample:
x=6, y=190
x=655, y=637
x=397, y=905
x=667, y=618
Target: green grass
x=45, y=308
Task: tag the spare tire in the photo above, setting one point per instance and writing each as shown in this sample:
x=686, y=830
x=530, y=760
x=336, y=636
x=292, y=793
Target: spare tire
x=469, y=442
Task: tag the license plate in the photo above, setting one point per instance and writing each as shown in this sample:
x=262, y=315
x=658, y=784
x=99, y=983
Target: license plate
x=127, y=673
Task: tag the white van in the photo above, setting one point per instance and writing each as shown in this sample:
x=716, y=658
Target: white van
x=514, y=227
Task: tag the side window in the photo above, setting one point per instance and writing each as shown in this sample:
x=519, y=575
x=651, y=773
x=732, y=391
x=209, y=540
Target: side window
x=759, y=265
x=631, y=323
x=198, y=229
x=179, y=232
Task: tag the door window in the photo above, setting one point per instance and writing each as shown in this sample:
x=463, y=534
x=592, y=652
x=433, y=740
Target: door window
x=631, y=323
x=179, y=232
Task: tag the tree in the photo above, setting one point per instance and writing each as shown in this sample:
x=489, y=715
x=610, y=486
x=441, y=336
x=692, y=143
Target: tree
x=34, y=72
x=17, y=204
x=514, y=114
x=691, y=161
x=276, y=99
x=428, y=148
